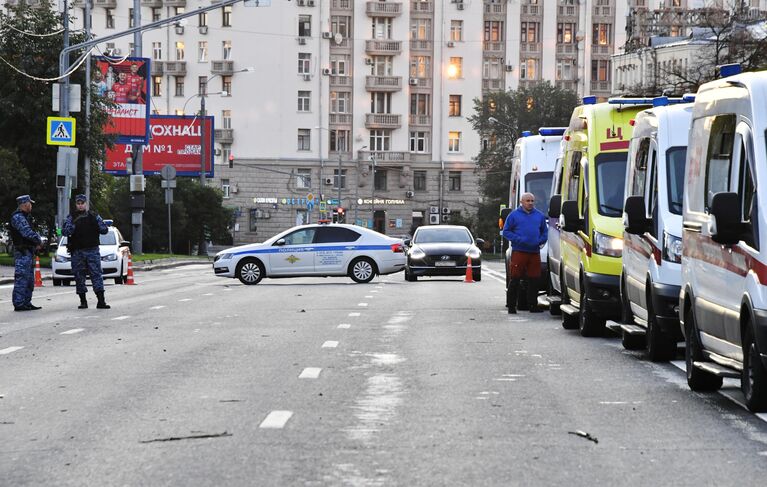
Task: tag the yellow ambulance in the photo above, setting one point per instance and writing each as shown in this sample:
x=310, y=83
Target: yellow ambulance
x=590, y=220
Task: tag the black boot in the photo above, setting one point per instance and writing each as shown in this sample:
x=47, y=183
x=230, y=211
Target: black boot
x=511, y=296
x=83, y=301
x=532, y=296
x=101, y=303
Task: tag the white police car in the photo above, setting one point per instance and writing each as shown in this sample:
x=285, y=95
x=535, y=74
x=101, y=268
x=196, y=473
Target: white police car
x=314, y=250
x=114, y=258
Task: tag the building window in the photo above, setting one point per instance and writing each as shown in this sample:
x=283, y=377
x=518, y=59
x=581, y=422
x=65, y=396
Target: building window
x=419, y=180
x=110, y=18
x=382, y=28
x=225, y=188
x=454, y=181
x=131, y=49
x=202, y=19
x=202, y=51
x=565, y=33
x=304, y=139
x=156, y=13
x=455, y=106
x=339, y=140
x=303, y=178
x=226, y=85
x=600, y=70
x=304, y=26
x=492, y=68
x=131, y=23
x=226, y=16
x=338, y=64
x=304, y=63
x=420, y=104
x=420, y=29
x=341, y=25
x=179, y=85
x=304, y=100
x=226, y=50
x=419, y=142
x=455, y=68
x=157, y=51
x=379, y=180
x=339, y=101
x=493, y=31
x=531, y=32
x=564, y=70
x=382, y=66
x=179, y=10
x=454, y=141
x=343, y=178
x=226, y=118
x=456, y=30
x=420, y=66
x=380, y=140
x=253, y=224
x=156, y=85
x=202, y=85
x=179, y=51
x=380, y=102
x=528, y=69
x=226, y=151
x=602, y=35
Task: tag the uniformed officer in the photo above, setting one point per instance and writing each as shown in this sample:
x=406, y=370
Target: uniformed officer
x=82, y=229
x=25, y=242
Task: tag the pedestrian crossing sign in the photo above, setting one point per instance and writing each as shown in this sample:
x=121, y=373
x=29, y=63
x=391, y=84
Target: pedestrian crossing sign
x=61, y=131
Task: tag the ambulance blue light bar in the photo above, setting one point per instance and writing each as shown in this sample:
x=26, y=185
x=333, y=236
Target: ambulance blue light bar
x=630, y=101
x=726, y=70
x=662, y=101
x=589, y=100
x=108, y=223
x=549, y=131
x=526, y=133
x=688, y=97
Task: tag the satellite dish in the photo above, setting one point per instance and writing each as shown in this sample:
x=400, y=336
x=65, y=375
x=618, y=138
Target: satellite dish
x=338, y=38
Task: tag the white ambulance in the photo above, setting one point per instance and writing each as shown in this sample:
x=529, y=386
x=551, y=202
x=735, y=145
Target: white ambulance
x=723, y=300
x=652, y=238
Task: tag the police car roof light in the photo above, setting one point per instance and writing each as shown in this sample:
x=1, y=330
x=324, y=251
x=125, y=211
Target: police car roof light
x=589, y=100
x=726, y=70
x=688, y=97
x=630, y=101
x=526, y=133
x=548, y=131
x=109, y=223
x=660, y=101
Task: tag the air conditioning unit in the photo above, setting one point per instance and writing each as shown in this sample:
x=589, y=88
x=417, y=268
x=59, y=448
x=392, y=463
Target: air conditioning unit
x=327, y=35
x=369, y=61
x=203, y=29
x=450, y=44
x=179, y=29
x=433, y=219
x=307, y=77
x=409, y=194
x=302, y=41
x=413, y=81
x=328, y=181
x=446, y=211
x=326, y=71
x=434, y=210
x=459, y=6
x=509, y=67
x=445, y=218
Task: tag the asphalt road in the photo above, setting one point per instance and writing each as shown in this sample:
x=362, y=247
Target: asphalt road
x=195, y=380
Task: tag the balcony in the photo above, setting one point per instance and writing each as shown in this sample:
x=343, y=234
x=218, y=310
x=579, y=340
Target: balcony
x=38, y=3
x=530, y=47
x=340, y=118
x=222, y=67
x=174, y=3
x=341, y=4
x=151, y=3
x=157, y=68
x=495, y=8
x=421, y=7
x=384, y=156
x=566, y=48
x=420, y=120
x=495, y=46
x=602, y=86
x=224, y=136
x=383, y=47
x=105, y=3
x=492, y=84
x=420, y=45
x=340, y=81
x=420, y=82
x=383, y=83
x=175, y=68
x=383, y=9
x=383, y=121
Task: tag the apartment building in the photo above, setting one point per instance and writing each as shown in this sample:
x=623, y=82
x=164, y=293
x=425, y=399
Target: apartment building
x=359, y=104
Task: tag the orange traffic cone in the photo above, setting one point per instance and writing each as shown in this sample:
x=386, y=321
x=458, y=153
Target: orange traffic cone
x=38, y=276
x=129, y=280
x=469, y=272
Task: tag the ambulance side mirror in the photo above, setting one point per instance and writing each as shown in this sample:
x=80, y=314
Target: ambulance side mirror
x=635, y=219
x=725, y=225
x=555, y=206
x=570, y=220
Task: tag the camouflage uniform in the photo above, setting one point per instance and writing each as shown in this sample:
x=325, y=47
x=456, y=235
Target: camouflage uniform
x=82, y=229
x=24, y=242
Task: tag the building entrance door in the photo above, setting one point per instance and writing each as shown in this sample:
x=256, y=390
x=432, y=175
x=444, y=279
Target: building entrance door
x=379, y=221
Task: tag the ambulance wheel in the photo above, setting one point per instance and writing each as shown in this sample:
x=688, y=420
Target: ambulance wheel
x=698, y=380
x=249, y=271
x=589, y=324
x=362, y=270
x=753, y=383
x=569, y=322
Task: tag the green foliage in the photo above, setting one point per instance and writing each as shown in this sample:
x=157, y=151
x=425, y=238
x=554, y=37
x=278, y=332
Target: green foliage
x=528, y=108
x=14, y=180
x=195, y=211
x=25, y=103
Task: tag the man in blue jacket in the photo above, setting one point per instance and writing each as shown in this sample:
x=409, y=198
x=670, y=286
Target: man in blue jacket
x=526, y=229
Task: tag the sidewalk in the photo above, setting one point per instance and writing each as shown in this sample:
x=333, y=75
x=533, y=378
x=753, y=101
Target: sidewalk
x=6, y=271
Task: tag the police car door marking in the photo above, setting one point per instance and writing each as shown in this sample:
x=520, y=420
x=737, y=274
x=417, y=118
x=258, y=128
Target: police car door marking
x=292, y=259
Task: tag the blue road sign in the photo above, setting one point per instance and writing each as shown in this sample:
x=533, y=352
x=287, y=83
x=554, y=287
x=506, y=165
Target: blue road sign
x=60, y=131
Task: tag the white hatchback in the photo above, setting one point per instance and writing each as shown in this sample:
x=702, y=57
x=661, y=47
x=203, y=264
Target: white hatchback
x=314, y=250
x=114, y=259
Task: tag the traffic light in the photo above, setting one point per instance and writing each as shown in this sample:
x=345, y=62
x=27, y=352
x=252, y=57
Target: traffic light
x=231, y=161
x=341, y=215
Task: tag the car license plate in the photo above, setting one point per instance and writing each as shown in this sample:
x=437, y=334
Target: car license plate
x=445, y=263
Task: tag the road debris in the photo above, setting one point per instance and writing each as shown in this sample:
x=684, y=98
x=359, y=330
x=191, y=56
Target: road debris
x=190, y=437
x=583, y=434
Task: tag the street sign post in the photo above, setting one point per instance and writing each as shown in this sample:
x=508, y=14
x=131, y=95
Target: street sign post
x=168, y=182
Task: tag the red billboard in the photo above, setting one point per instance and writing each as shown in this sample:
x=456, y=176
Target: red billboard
x=125, y=82
x=175, y=140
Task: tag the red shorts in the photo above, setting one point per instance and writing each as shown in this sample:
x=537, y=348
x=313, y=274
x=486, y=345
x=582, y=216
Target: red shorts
x=525, y=264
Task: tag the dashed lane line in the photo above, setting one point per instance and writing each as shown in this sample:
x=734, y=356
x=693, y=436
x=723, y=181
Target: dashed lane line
x=310, y=373
x=72, y=331
x=276, y=419
x=184, y=300
x=354, y=314
x=362, y=304
x=330, y=344
x=120, y=318
x=344, y=326
x=159, y=306
x=8, y=350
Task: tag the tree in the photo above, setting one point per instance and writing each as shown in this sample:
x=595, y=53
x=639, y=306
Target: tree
x=25, y=105
x=500, y=119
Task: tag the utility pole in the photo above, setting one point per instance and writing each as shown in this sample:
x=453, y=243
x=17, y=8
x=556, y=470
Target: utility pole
x=339, y=180
x=63, y=192
x=137, y=191
x=87, y=159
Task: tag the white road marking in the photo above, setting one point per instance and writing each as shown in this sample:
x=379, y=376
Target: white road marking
x=505, y=379
x=368, y=297
x=276, y=419
x=124, y=317
x=613, y=403
x=184, y=300
x=72, y=331
x=159, y=306
x=362, y=304
x=344, y=326
x=8, y=350
x=330, y=344
x=208, y=294
x=354, y=314
x=310, y=373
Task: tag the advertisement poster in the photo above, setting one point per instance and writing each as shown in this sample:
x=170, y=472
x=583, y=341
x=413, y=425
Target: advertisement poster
x=125, y=82
x=175, y=140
